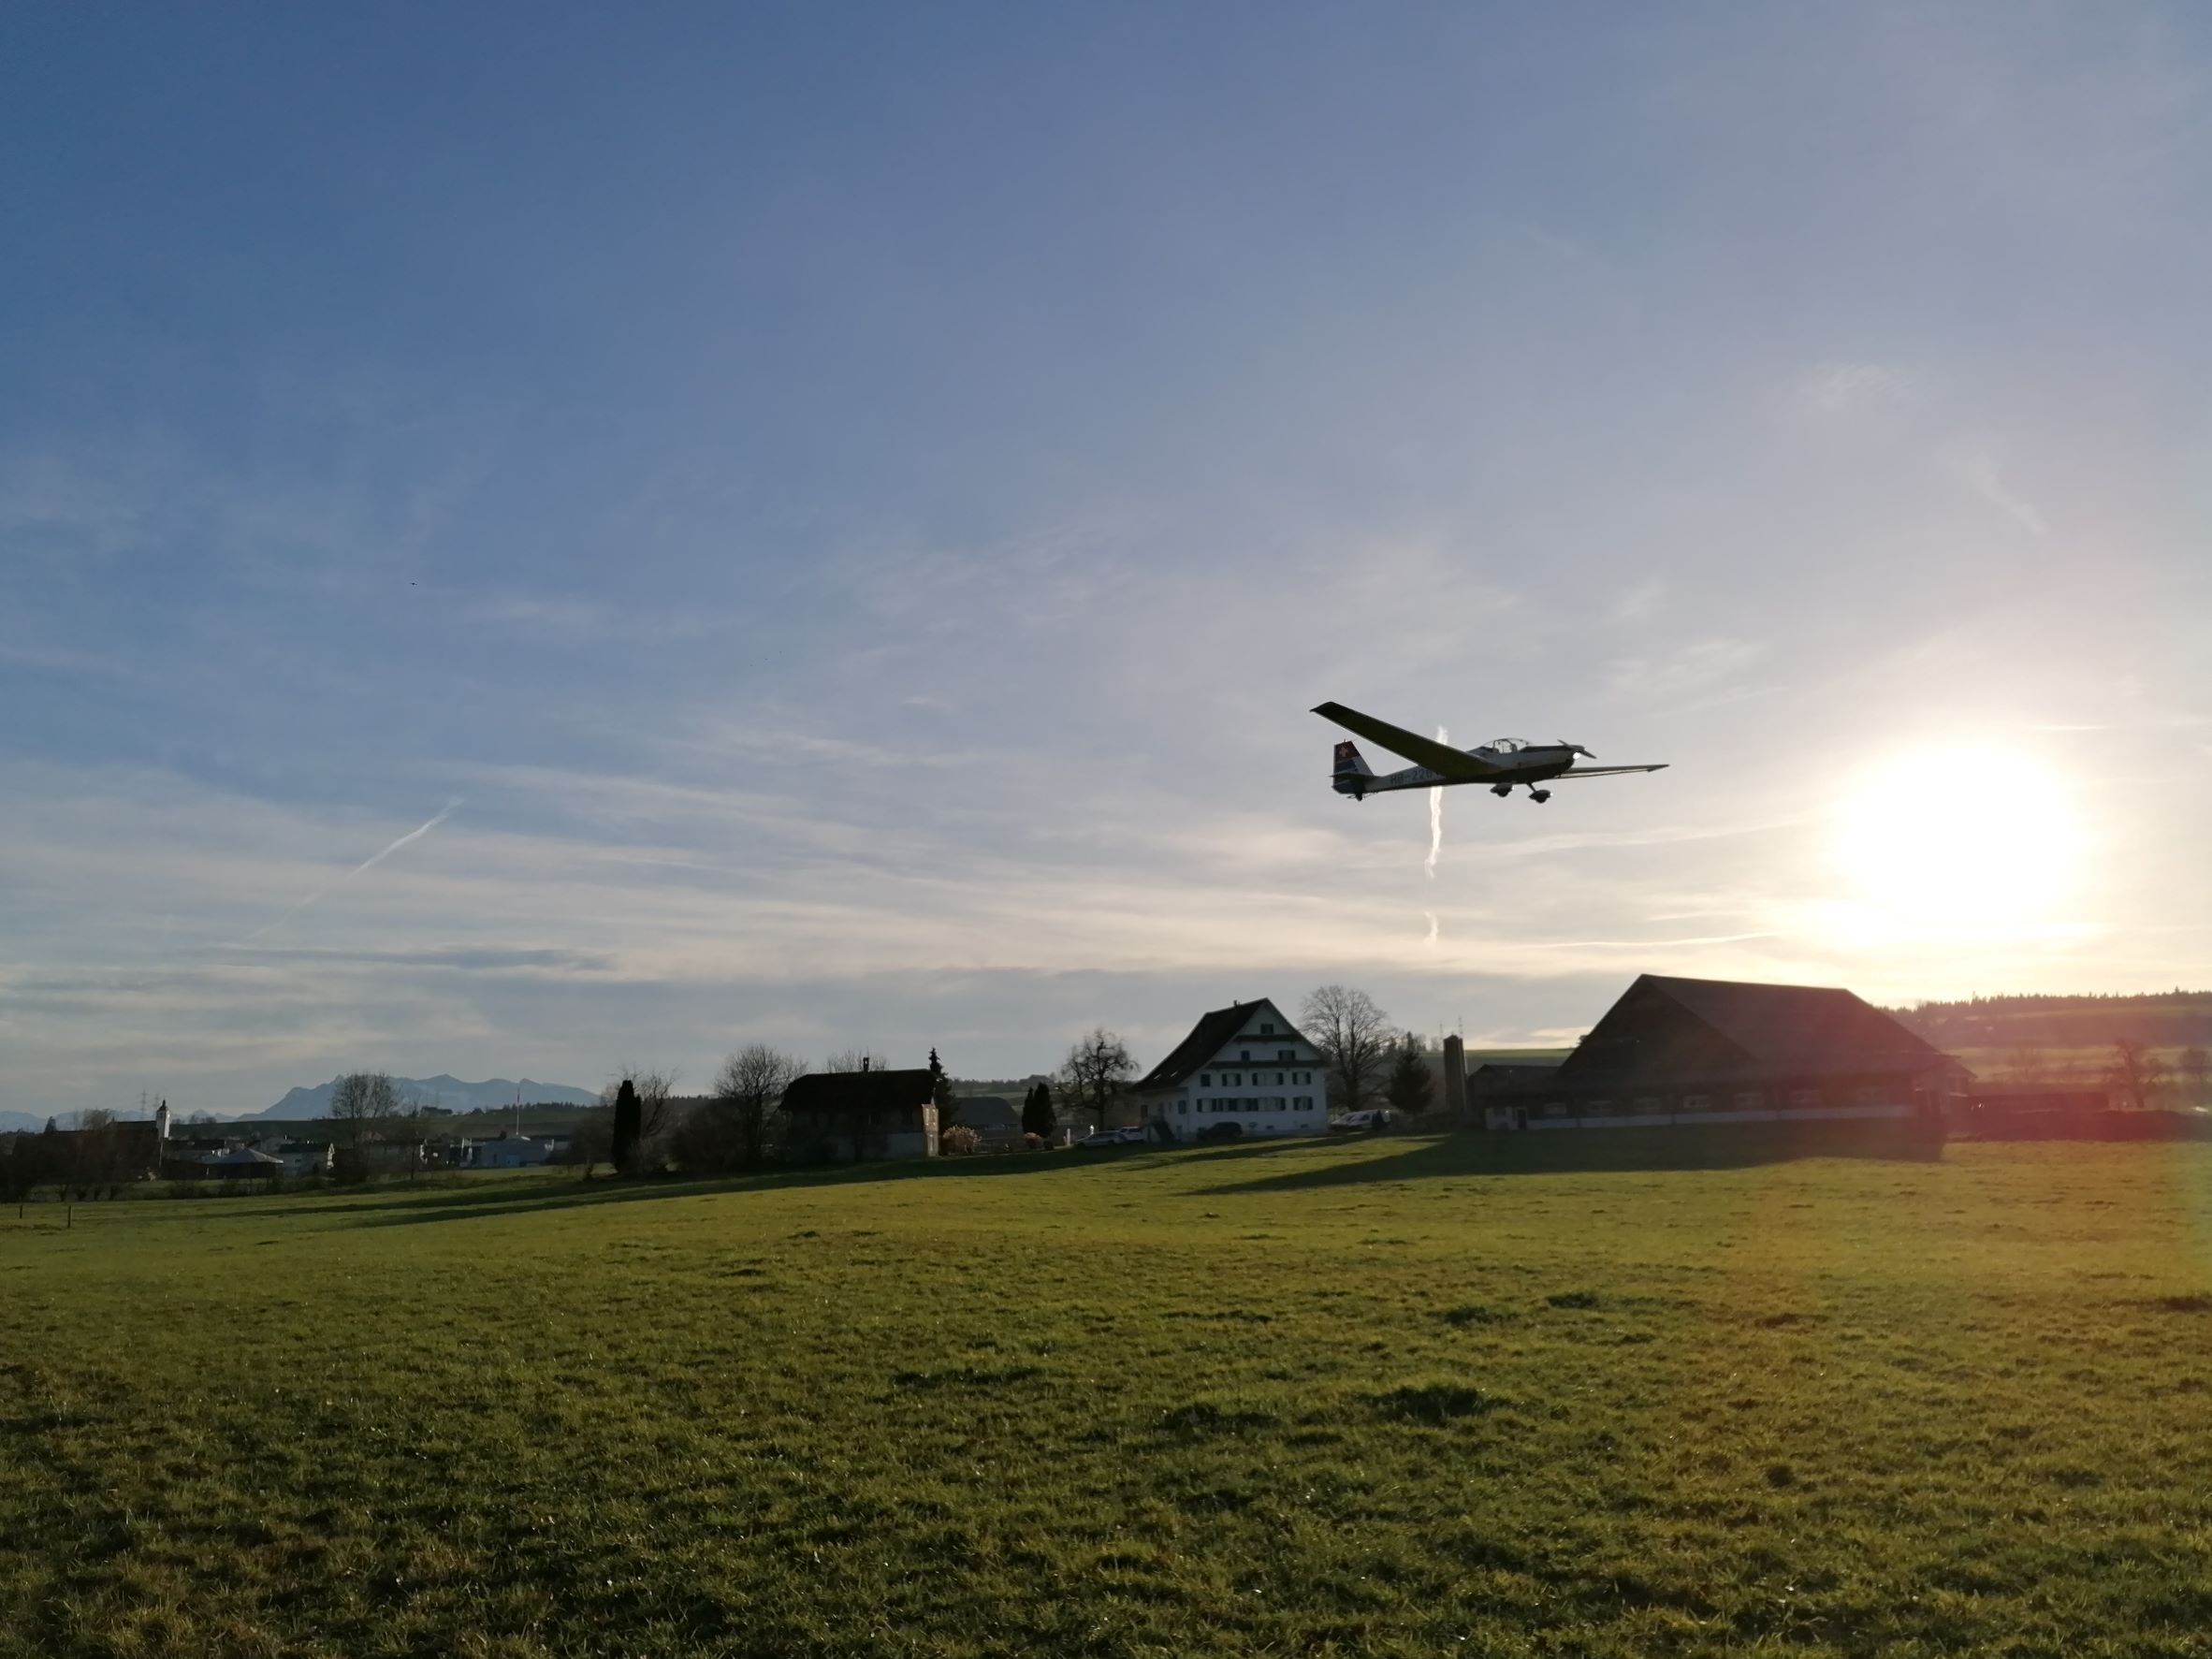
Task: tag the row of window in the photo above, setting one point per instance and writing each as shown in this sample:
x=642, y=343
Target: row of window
x=1235, y=1080
x=1258, y=1103
x=1282, y=1055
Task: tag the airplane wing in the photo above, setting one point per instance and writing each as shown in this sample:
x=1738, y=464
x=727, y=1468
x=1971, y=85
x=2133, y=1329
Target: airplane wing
x=1607, y=771
x=1440, y=758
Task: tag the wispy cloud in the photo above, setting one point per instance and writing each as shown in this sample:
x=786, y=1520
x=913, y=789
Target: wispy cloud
x=1699, y=666
x=1835, y=390
x=1978, y=466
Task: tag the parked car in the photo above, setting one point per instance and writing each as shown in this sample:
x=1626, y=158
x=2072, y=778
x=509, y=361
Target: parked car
x=1226, y=1129
x=1105, y=1138
x=1370, y=1122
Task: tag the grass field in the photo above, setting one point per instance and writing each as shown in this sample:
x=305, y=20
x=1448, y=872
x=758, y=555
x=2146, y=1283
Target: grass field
x=1430, y=1396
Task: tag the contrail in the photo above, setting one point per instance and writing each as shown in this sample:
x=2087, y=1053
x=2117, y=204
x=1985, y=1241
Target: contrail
x=415, y=834
x=1431, y=916
x=1435, y=818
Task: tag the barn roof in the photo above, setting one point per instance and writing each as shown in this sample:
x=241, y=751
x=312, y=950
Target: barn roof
x=860, y=1091
x=989, y=1112
x=1770, y=1025
x=1209, y=1037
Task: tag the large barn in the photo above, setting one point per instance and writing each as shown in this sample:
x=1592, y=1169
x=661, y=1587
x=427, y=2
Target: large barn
x=1720, y=1051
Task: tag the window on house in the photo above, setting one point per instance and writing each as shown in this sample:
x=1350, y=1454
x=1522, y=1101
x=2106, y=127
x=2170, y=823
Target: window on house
x=1205, y=1080
x=1649, y=1104
x=1285, y=1055
x=1267, y=1030
x=1805, y=1098
x=1750, y=1100
x=1244, y=1054
x=1183, y=1109
x=1697, y=1102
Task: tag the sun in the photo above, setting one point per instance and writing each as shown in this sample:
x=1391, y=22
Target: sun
x=1965, y=838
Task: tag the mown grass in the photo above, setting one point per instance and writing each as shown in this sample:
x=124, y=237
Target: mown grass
x=1460, y=1396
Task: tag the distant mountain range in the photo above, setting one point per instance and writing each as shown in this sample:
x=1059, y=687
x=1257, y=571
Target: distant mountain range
x=448, y=1092
x=12, y=1121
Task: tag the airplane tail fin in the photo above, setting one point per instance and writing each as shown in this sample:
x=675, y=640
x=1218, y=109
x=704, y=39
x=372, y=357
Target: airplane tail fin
x=1352, y=772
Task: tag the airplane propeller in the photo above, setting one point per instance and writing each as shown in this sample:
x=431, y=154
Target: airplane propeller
x=1576, y=749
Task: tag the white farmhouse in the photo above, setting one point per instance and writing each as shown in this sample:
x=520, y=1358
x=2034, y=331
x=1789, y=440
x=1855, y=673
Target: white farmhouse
x=1246, y=1064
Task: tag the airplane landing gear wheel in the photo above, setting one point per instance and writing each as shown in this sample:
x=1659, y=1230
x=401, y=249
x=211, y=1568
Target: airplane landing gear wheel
x=1539, y=794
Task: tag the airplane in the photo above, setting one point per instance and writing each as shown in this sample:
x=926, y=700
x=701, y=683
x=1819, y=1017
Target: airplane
x=1499, y=763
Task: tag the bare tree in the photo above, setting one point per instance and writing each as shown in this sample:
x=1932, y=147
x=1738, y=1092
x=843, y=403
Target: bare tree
x=2196, y=1066
x=1351, y=1029
x=1096, y=1068
x=411, y=1123
x=749, y=1093
x=856, y=1059
x=2137, y=1075
x=361, y=1103
x=592, y=1142
x=95, y=1155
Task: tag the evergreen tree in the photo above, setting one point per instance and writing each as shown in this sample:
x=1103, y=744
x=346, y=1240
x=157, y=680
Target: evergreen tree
x=941, y=1096
x=1410, y=1085
x=629, y=1121
x=1038, y=1117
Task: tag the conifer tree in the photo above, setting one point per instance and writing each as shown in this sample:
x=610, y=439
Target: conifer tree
x=628, y=1122
x=1038, y=1117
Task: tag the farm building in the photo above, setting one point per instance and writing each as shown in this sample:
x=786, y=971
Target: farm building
x=1720, y=1051
x=1244, y=1063
x=995, y=1120
x=861, y=1114
x=507, y=1152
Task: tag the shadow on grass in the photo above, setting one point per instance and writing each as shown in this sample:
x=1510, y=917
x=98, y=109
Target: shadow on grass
x=412, y=1209
x=1410, y=1158
x=1571, y=1152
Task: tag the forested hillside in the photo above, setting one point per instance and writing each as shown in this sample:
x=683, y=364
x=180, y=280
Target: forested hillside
x=2165, y=1019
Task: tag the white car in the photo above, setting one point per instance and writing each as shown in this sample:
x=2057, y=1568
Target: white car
x=1104, y=1137
x=1361, y=1123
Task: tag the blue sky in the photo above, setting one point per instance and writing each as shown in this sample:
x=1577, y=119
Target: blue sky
x=844, y=512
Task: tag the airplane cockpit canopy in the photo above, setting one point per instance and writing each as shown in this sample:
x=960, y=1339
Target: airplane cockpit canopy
x=1506, y=745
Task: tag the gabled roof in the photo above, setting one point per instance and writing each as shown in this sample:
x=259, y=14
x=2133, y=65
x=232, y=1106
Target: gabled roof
x=982, y=1112
x=860, y=1091
x=1209, y=1037
x=1774, y=1025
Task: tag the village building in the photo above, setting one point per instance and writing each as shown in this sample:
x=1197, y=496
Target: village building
x=507, y=1152
x=995, y=1120
x=1244, y=1064
x=1684, y=1051
x=855, y=1116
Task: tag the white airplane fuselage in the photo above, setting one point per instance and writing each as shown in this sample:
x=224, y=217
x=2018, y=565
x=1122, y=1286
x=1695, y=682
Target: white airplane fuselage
x=1531, y=764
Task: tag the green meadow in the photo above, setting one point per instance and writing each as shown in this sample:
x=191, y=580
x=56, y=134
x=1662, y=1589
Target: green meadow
x=1647, y=1392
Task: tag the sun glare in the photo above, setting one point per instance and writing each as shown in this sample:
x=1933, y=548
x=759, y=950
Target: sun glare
x=1979, y=840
